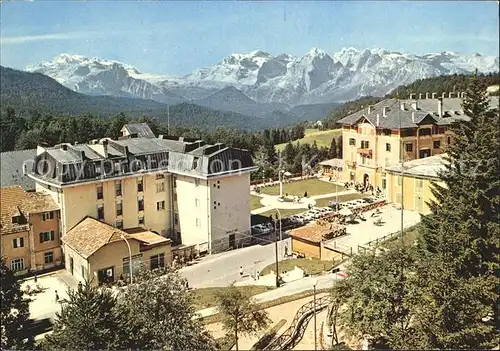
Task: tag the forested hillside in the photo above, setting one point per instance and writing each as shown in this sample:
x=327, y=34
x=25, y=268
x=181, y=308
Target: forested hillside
x=346, y=109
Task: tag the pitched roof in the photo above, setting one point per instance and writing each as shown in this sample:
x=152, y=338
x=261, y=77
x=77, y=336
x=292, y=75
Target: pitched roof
x=11, y=164
x=146, y=236
x=15, y=201
x=334, y=162
x=422, y=167
x=410, y=117
x=141, y=129
x=313, y=233
x=88, y=236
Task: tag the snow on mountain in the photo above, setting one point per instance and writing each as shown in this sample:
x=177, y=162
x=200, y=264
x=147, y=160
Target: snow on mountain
x=316, y=77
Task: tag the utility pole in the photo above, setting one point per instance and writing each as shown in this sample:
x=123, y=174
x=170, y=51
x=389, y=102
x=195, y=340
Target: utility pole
x=168, y=119
x=314, y=311
x=276, y=252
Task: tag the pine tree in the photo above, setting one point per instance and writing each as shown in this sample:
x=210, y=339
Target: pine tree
x=332, y=153
x=87, y=321
x=14, y=312
x=459, y=243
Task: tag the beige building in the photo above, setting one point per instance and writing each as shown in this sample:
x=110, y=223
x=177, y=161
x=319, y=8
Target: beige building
x=311, y=241
x=193, y=193
x=100, y=253
x=415, y=187
x=30, y=233
x=383, y=134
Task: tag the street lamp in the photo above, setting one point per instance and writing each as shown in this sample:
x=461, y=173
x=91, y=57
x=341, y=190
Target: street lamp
x=281, y=182
x=314, y=311
x=130, y=257
x=281, y=233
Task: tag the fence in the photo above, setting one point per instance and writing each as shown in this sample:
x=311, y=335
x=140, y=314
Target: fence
x=290, y=337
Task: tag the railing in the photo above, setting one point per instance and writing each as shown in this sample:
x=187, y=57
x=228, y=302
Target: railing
x=291, y=337
x=367, y=152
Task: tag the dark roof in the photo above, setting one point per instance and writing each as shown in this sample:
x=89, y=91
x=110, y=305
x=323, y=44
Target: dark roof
x=142, y=130
x=11, y=168
x=410, y=117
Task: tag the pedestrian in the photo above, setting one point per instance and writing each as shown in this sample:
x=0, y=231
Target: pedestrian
x=286, y=250
x=36, y=279
x=241, y=271
x=57, y=297
x=80, y=286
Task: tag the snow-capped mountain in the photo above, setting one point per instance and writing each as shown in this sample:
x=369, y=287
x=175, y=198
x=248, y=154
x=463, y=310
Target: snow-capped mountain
x=316, y=77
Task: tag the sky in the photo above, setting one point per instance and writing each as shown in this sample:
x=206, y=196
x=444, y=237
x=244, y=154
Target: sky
x=175, y=38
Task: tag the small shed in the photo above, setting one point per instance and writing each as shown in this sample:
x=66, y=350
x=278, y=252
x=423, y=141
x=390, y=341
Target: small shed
x=309, y=240
x=333, y=166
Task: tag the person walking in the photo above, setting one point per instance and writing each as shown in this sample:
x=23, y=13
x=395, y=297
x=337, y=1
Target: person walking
x=57, y=297
x=241, y=271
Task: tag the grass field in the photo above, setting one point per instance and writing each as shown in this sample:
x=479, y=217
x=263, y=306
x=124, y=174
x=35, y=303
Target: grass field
x=342, y=198
x=312, y=186
x=307, y=265
x=255, y=202
x=205, y=297
x=323, y=138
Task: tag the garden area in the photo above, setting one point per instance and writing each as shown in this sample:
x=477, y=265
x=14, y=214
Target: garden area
x=205, y=297
x=311, y=186
x=309, y=266
x=255, y=202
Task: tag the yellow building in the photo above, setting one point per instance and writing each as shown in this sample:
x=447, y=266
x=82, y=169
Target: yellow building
x=98, y=252
x=193, y=193
x=413, y=182
x=30, y=236
x=383, y=134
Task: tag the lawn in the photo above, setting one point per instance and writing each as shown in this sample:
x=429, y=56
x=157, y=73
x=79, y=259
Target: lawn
x=284, y=212
x=255, y=202
x=312, y=186
x=205, y=297
x=409, y=236
x=323, y=138
x=309, y=266
x=342, y=198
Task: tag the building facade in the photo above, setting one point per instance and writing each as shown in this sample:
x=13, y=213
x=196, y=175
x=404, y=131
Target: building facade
x=392, y=131
x=30, y=231
x=191, y=192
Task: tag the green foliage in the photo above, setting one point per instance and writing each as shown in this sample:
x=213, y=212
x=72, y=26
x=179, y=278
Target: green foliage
x=87, y=320
x=443, y=84
x=14, y=312
x=157, y=313
x=240, y=313
x=459, y=241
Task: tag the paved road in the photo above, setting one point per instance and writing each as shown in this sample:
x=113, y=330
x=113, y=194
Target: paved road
x=223, y=269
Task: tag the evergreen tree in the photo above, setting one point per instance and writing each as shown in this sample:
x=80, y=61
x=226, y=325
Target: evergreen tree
x=333, y=149
x=157, y=313
x=14, y=312
x=87, y=321
x=288, y=155
x=459, y=243
x=240, y=314
x=340, y=146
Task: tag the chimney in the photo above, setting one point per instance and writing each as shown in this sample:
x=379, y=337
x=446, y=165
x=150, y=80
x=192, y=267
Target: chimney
x=64, y=147
x=414, y=105
x=413, y=117
x=370, y=109
x=450, y=95
x=420, y=96
x=440, y=107
x=403, y=106
x=105, y=147
x=443, y=95
x=385, y=110
x=427, y=95
x=434, y=95
x=378, y=119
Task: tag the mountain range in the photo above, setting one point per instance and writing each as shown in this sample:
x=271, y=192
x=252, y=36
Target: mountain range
x=258, y=83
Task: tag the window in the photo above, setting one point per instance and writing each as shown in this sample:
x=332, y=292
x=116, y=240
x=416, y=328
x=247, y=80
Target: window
x=48, y=257
x=449, y=140
x=400, y=181
x=160, y=187
x=196, y=182
x=388, y=147
x=84, y=275
x=174, y=181
x=365, y=144
x=141, y=220
x=424, y=132
x=99, y=192
x=218, y=184
x=195, y=162
x=118, y=188
x=352, y=142
x=197, y=202
x=419, y=185
x=198, y=222
x=140, y=204
x=140, y=186
x=18, y=242
x=437, y=144
x=407, y=133
x=409, y=147
x=100, y=213
x=157, y=261
x=160, y=205
x=47, y=236
x=17, y=264
x=119, y=210
x=160, y=176
x=119, y=224
x=47, y=215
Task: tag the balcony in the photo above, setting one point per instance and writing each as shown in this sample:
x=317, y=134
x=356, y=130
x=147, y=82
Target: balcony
x=351, y=164
x=365, y=152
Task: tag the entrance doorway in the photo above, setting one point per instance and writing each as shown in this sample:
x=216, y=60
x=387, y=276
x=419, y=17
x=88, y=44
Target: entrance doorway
x=71, y=265
x=424, y=153
x=366, y=180
x=419, y=203
x=352, y=176
x=232, y=241
x=106, y=275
